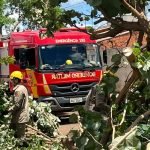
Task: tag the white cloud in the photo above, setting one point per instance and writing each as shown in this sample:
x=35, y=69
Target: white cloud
x=73, y=2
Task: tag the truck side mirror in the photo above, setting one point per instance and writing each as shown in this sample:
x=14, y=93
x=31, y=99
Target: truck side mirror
x=23, y=58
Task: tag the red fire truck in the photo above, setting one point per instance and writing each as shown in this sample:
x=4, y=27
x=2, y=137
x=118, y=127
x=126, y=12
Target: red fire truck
x=43, y=62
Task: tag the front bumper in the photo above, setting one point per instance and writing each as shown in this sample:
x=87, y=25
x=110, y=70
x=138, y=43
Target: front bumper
x=63, y=103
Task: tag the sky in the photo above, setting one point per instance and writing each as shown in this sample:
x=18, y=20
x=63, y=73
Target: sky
x=78, y=5
x=82, y=7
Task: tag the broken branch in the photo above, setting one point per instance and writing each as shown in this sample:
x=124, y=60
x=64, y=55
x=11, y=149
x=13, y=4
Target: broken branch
x=146, y=114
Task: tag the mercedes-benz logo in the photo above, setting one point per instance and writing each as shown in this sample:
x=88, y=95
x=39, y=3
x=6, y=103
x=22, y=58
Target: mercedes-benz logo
x=75, y=87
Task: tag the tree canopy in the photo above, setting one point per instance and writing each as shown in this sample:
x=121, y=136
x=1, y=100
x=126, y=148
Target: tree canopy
x=49, y=14
x=133, y=100
x=5, y=13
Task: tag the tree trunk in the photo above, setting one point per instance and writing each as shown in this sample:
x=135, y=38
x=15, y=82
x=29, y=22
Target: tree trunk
x=140, y=38
x=106, y=134
x=134, y=77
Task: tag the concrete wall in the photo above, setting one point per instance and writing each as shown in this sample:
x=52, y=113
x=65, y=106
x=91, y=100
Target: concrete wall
x=125, y=70
x=111, y=46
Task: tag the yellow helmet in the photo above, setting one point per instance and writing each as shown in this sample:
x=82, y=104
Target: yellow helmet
x=69, y=62
x=16, y=74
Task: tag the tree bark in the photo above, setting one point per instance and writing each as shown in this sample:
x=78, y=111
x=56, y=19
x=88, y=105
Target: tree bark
x=134, y=77
x=107, y=134
x=140, y=38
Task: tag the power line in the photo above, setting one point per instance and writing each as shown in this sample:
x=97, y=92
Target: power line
x=74, y=5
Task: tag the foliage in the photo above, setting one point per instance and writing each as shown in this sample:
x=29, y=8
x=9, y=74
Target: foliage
x=137, y=140
x=109, y=78
x=93, y=126
x=143, y=132
x=41, y=116
x=4, y=17
x=7, y=60
x=130, y=142
x=7, y=139
x=143, y=64
x=123, y=115
x=4, y=102
x=116, y=6
x=49, y=14
x=44, y=14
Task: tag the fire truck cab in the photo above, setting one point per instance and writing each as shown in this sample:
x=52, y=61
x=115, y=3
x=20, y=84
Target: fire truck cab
x=43, y=62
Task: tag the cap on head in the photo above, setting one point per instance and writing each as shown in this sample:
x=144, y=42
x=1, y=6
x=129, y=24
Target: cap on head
x=16, y=74
x=69, y=62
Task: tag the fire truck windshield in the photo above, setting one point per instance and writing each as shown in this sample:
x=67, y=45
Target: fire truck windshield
x=55, y=56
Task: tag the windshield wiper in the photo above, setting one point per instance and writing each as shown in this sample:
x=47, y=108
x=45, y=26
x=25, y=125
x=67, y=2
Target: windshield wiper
x=74, y=67
x=67, y=68
x=91, y=67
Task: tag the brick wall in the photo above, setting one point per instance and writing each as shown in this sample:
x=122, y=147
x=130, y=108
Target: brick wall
x=120, y=41
x=112, y=46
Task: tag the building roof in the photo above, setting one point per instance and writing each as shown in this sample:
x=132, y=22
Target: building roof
x=121, y=40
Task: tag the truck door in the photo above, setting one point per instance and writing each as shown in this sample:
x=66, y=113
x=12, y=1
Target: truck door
x=25, y=57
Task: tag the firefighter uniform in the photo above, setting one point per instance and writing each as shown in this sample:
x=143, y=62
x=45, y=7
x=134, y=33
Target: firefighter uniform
x=19, y=110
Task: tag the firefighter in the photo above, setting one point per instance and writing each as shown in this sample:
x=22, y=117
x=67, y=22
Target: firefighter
x=20, y=107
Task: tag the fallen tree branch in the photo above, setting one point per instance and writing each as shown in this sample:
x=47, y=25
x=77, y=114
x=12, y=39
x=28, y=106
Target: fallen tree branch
x=120, y=26
x=110, y=33
x=113, y=147
x=145, y=138
x=140, y=16
x=141, y=117
x=113, y=126
x=140, y=38
x=99, y=20
x=124, y=113
x=134, y=77
x=148, y=146
x=39, y=132
x=94, y=139
x=106, y=135
x=128, y=53
x=121, y=122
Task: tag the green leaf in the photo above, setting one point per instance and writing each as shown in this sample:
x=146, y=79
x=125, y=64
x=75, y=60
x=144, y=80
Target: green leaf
x=94, y=2
x=136, y=51
x=136, y=45
x=73, y=118
x=145, y=127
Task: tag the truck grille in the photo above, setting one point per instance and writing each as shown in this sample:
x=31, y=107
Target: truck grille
x=71, y=89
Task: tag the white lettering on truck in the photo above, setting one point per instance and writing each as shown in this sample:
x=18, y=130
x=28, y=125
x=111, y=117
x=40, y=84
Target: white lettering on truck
x=73, y=75
x=70, y=40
